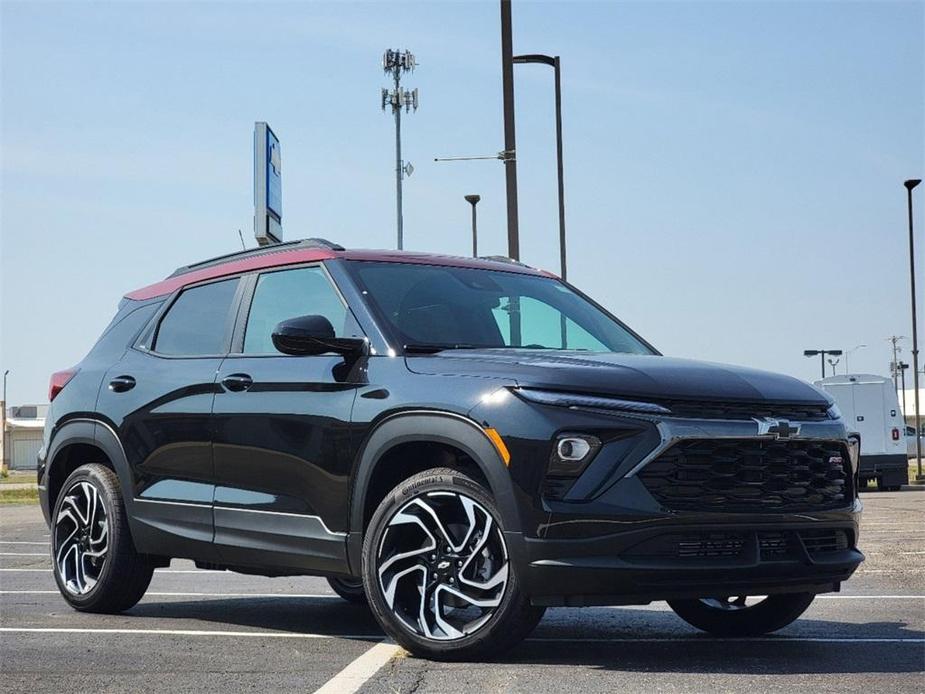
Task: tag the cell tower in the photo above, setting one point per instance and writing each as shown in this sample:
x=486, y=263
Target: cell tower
x=396, y=63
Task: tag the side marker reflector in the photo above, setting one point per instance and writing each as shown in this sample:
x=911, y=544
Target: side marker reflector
x=499, y=444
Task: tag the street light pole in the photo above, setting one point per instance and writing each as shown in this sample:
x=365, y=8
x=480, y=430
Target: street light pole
x=474, y=200
x=510, y=146
x=910, y=184
x=821, y=353
x=554, y=63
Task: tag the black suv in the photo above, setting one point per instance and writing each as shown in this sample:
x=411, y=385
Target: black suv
x=458, y=442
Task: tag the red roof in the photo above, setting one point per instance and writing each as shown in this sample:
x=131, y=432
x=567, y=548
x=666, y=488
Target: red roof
x=294, y=256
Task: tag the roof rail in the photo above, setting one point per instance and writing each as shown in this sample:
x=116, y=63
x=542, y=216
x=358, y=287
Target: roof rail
x=263, y=250
x=504, y=259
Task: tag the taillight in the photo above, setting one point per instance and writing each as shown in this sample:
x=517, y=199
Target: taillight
x=895, y=434
x=59, y=379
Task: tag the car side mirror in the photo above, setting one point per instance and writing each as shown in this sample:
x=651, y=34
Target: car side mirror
x=313, y=335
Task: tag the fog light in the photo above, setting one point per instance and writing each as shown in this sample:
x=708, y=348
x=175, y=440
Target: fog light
x=573, y=449
x=571, y=454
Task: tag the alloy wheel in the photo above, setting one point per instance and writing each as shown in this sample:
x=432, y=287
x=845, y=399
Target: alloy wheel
x=81, y=538
x=442, y=565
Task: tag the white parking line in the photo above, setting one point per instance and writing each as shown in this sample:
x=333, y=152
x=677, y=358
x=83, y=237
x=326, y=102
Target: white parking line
x=549, y=639
x=870, y=597
x=715, y=639
x=358, y=673
x=186, y=632
x=23, y=554
x=19, y=542
x=332, y=596
x=157, y=571
x=170, y=594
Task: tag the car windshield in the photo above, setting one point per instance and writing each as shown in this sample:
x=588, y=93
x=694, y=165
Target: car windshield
x=434, y=307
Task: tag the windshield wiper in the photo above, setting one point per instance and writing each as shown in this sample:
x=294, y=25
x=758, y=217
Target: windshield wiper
x=433, y=348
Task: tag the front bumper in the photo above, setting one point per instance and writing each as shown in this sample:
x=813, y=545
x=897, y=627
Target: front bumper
x=607, y=540
x=692, y=558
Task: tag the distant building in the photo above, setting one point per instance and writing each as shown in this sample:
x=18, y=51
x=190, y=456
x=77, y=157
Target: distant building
x=907, y=405
x=24, y=428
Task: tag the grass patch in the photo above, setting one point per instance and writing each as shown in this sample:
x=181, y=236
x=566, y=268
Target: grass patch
x=18, y=478
x=19, y=496
x=914, y=469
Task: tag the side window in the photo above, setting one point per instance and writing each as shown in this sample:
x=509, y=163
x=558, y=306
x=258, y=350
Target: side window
x=197, y=322
x=288, y=294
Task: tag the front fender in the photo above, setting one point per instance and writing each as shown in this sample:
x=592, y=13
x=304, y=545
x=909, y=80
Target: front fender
x=434, y=427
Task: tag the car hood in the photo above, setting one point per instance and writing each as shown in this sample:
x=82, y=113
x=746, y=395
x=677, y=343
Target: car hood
x=625, y=375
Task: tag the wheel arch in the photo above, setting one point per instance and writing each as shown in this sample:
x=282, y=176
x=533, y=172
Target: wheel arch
x=73, y=445
x=444, y=429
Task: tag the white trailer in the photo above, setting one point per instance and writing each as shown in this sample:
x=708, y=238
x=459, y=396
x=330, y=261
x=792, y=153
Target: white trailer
x=871, y=408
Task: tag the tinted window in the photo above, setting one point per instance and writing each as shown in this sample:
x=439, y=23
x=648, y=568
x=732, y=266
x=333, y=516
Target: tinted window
x=288, y=294
x=438, y=305
x=197, y=323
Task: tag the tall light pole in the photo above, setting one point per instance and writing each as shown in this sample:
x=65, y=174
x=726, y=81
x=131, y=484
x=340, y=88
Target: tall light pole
x=848, y=354
x=910, y=184
x=474, y=200
x=396, y=63
x=821, y=353
x=510, y=145
x=553, y=62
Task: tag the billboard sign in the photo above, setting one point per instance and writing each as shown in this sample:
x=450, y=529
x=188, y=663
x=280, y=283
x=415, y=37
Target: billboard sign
x=268, y=186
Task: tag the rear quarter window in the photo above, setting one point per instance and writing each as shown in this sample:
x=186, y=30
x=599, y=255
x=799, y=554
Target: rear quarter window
x=122, y=331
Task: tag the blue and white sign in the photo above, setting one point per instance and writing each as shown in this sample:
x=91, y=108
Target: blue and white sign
x=268, y=186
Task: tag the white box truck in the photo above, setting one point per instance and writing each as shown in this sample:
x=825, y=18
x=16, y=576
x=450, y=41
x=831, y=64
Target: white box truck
x=870, y=408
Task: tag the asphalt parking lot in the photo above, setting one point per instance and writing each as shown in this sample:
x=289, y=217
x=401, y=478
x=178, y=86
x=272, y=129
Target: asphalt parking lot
x=214, y=631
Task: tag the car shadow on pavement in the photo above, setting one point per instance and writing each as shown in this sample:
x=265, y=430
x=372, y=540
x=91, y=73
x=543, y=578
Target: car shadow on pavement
x=606, y=638
x=309, y=615
x=810, y=646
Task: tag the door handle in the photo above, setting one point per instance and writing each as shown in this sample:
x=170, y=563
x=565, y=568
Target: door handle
x=120, y=384
x=237, y=382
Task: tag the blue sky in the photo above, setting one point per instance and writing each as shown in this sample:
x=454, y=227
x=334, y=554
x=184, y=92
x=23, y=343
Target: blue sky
x=733, y=170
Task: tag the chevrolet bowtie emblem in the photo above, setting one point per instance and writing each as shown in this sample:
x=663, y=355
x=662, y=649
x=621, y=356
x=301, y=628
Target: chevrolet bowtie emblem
x=778, y=428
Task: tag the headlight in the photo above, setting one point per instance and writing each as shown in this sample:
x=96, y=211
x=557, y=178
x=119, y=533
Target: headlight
x=834, y=412
x=595, y=402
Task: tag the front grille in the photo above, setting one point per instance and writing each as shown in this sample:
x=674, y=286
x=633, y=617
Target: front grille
x=746, y=410
x=772, y=545
x=750, y=475
x=710, y=546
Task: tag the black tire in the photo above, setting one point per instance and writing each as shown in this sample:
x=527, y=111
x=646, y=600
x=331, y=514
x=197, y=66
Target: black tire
x=124, y=575
x=350, y=590
x=773, y=613
x=892, y=488
x=510, y=621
